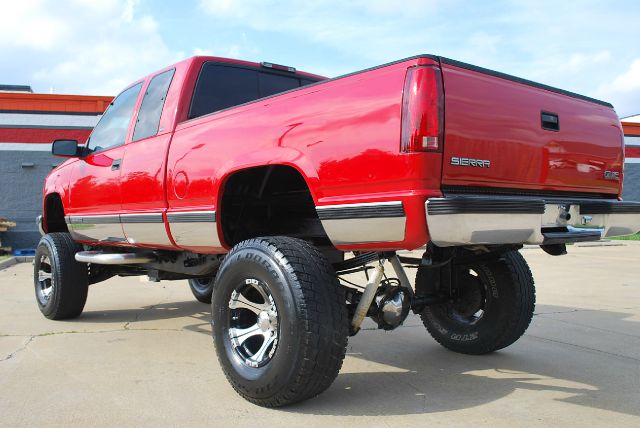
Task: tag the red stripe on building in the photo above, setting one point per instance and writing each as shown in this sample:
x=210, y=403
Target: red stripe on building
x=632, y=152
x=41, y=135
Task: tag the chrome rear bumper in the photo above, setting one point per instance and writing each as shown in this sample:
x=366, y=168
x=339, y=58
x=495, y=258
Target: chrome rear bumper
x=470, y=220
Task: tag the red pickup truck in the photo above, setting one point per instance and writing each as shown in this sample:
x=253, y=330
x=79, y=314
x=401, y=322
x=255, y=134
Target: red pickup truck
x=265, y=186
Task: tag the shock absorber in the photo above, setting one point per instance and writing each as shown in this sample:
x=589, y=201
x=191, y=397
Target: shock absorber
x=367, y=297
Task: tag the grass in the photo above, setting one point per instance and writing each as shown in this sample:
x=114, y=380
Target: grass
x=635, y=237
x=4, y=257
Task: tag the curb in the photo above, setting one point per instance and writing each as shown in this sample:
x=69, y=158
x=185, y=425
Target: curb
x=9, y=262
x=15, y=260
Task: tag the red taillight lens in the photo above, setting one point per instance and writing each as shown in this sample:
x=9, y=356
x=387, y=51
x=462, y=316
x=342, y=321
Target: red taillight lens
x=422, y=110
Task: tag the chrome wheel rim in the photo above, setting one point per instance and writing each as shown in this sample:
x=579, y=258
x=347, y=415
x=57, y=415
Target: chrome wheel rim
x=44, y=281
x=253, y=323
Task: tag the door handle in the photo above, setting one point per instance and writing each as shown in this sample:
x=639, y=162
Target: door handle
x=115, y=165
x=550, y=121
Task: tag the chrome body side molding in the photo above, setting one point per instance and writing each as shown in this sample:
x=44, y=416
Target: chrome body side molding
x=363, y=223
x=103, y=228
x=189, y=229
x=145, y=228
x=194, y=228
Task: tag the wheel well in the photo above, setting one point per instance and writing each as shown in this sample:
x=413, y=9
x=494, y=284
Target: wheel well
x=268, y=201
x=54, y=214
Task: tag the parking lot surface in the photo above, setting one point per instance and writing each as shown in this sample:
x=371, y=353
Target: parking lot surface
x=142, y=354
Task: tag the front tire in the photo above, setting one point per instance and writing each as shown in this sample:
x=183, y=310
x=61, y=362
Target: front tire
x=280, y=323
x=61, y=283
x=491, y=307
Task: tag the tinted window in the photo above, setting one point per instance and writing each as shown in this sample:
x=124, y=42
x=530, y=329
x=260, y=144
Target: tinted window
x=151, y=108
x=220, y=87
x=274, y=83
x=112, y=128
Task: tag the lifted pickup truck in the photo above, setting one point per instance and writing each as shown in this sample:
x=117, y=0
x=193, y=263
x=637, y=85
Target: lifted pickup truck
x=264, y=186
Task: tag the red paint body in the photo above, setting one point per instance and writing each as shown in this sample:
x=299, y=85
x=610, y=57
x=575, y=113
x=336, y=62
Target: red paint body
x=343, y=136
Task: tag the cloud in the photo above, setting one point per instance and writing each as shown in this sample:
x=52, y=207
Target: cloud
x=624, y=90
x=28, y=25
x=85, y=47
x=88, y=46
x=369, y=28
x=629, y=80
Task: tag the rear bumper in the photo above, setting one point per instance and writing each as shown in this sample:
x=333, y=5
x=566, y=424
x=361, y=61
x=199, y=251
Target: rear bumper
x=469, y=220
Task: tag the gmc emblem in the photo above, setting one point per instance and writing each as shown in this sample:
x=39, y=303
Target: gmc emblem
x=478, y=163
x=612, y=175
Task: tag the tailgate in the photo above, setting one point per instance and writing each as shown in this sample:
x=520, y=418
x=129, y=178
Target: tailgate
x=505, y=132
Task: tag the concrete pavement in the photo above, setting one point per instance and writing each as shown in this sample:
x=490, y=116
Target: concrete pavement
x=141, y=354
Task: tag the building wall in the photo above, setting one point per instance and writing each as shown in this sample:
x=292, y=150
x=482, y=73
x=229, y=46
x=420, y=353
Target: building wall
x=28, y=125
x=631, y=189
x=22, y=174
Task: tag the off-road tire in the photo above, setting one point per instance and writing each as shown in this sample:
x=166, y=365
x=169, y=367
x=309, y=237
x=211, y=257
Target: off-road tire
x=509, y=301
x=68, y=278
x=202, y=288
x=312, y=320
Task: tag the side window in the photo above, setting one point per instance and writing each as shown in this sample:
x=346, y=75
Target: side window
x=221, y=87
x=151, y=108
x=274, y=83
x=111, y=130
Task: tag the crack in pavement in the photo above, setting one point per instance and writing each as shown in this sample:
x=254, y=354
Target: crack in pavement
x=61, y=333
x=137, y=317
x=22, y=348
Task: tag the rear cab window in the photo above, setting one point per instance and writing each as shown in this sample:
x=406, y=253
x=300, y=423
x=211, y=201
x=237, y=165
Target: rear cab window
x=150, y=112
x=221, y=86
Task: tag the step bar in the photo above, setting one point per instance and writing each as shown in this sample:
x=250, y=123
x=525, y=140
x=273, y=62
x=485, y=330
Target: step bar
x=101, y=258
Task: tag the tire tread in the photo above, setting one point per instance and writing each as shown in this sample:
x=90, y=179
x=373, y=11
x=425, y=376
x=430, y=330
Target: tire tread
x=516, y=270
x=323, y=315
x=71, y=277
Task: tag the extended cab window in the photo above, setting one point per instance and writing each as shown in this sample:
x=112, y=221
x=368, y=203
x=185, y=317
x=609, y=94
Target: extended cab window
x=111, y=130
x=223, y=86
x=151, y=108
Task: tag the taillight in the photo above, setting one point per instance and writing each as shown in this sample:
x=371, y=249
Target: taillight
x=422, y=110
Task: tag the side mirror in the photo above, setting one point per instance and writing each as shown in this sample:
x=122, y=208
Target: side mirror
x=66, y=148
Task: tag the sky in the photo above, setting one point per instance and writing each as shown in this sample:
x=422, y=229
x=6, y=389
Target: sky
x=97, y=47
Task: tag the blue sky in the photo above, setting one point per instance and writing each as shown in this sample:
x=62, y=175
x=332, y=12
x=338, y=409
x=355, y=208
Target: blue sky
x=97, y=47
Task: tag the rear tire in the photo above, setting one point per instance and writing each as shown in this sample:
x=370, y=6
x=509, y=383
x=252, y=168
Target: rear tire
x=61, y=283
x=280, y=323
x=492, y=307
x=202, y=288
